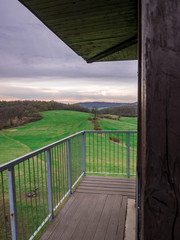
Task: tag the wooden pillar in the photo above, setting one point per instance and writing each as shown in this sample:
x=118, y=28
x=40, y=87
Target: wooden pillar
x=160, y=120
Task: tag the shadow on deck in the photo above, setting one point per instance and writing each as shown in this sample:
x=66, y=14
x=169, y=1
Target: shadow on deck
x=96, y=210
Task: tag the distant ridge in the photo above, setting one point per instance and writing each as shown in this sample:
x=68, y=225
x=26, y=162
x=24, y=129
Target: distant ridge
x=101, y=105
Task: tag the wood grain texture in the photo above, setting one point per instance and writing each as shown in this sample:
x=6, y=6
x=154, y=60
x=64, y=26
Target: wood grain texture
x=122, y=218
x=160, y=192
x=90, y=27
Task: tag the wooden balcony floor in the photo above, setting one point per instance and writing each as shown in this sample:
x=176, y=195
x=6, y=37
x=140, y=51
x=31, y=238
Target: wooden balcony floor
x=96, y=211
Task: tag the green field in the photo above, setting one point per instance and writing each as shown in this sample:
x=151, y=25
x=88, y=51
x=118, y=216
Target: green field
x=125, y=124
x=55, y=125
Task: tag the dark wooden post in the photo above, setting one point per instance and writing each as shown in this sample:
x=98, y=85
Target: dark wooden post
x=160, y=120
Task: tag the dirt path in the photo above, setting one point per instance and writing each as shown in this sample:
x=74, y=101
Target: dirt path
x=122, y=144
x=75, y=126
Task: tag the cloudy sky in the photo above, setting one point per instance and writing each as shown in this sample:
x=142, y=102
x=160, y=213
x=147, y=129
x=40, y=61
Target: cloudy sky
x=35, y=64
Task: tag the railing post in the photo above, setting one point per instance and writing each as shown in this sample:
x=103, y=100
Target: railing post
x=50, y=192
x=84, y=153
x=69, y=166
x=12, y=203
x=128, y=155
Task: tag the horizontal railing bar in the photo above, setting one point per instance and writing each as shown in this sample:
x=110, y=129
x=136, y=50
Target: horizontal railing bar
x=112, y=173
x=62, y=199
x=77, y=180
x=39, y=228
x=16, y=161
x=108, y=131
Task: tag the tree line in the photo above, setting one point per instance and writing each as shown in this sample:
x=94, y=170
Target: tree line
x=126, y=111
x=17, y=113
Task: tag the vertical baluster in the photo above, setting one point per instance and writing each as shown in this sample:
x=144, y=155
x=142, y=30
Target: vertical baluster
x=50, y=193
x=84, y=153
x=69, y=166
x=27, y=220
x=4, y=207
x=52, y=174
x=93, y=152
x=118, y=150
x=101, y=152
x=97, y=169
x=12, y=203
x=38, y=190
x=128, y=155
x=59, y=182
x=42, y=187
x=45, y=161
x=19, y=181
x=61, y=171
x=65, y=162
x=109, y=154
x=30, y=197
x=114, y=138
x=122, y=154
x=105, y=154
x=89, y=154
x=56, y=180
x=34, y=173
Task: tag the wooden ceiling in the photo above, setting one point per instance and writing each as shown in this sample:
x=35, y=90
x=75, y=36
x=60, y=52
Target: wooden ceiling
x=97, y=30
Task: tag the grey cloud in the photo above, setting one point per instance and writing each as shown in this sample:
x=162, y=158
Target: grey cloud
x=65, y=95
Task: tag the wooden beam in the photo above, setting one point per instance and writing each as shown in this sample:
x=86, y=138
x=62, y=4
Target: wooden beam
x=160, y=125
x=139, y=145
x=114, y=49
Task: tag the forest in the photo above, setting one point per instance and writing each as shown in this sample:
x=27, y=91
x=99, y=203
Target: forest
x=17, y=113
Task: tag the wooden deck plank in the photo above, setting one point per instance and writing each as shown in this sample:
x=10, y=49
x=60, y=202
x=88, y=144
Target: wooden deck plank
x=109, y=178
x=114, y=219
x=94, y=219
x=108, y=182
x=109, y=185
x=71, y=203
x=73, y=215
x=122, y=186
x=108, y=189
x=83, y=222
x=122, y=219
x=104, y=220
x=131, y=196
x=63, y=222
x=86, y=205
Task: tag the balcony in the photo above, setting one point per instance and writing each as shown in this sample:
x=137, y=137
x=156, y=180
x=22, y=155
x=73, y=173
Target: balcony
x=79, y=184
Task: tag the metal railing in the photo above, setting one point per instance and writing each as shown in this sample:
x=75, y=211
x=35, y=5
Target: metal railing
x=33, y=186
x=111, y=152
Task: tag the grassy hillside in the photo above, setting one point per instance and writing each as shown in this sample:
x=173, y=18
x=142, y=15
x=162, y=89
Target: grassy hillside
x=55, y=125
x=125, y=124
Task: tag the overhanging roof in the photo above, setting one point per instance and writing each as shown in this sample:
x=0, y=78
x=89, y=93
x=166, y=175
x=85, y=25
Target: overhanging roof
x=97, y=30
